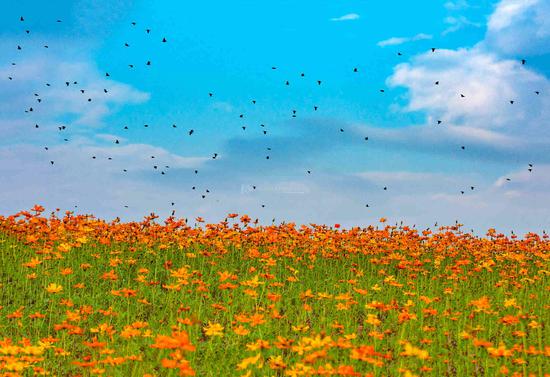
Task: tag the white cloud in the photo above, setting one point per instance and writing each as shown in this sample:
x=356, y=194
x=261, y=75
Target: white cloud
x=394, y=41
x=346, y=17
x=398, y=176
x=456, y=5
x=458, y=23
x=138, y=157
x=488, y=83
x=524, y=181
x=482, y=135
x=31, y=76
x=104, y=188
x=484, y=119
x=508, y=12
x=517, y=205
x=520, y=27
x=76, y=178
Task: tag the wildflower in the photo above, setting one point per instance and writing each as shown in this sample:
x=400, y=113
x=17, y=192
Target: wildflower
x=241, y=330
x=372, y=319
x=509, y=320
x=258, y=345
x=414, y=351
x=500, y=351
x=213, y=329
x=178, y=339
x=481, y=304
x=54, y=288
x=276, y=362
x=249, y=361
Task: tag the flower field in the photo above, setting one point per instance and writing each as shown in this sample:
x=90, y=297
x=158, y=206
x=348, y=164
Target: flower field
x=81, y=297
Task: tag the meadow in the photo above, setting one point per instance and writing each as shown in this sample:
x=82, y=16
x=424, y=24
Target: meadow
x=80, y=296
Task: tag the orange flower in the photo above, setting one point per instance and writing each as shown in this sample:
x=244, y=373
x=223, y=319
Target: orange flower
x=501, y=351
x=482, y=303
x=178, y=339
x=509, y=320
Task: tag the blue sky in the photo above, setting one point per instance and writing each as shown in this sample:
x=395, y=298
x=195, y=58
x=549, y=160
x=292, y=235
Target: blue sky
x=228, y=49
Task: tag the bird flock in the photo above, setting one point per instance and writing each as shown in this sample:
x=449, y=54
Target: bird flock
x=73, y=84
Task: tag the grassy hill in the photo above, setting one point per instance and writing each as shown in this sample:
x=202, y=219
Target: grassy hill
x=80, y=296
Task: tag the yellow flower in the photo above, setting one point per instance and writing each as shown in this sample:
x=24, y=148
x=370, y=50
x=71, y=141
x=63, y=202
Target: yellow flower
x=300, y=328
x=510, y=302
x=414, y=351
x=213, y=329
x=64, y=247
x=372, y=319
x=249, y=361
x=54, y=288
x=534, y=325
x=277, y=362
x=82, y=239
